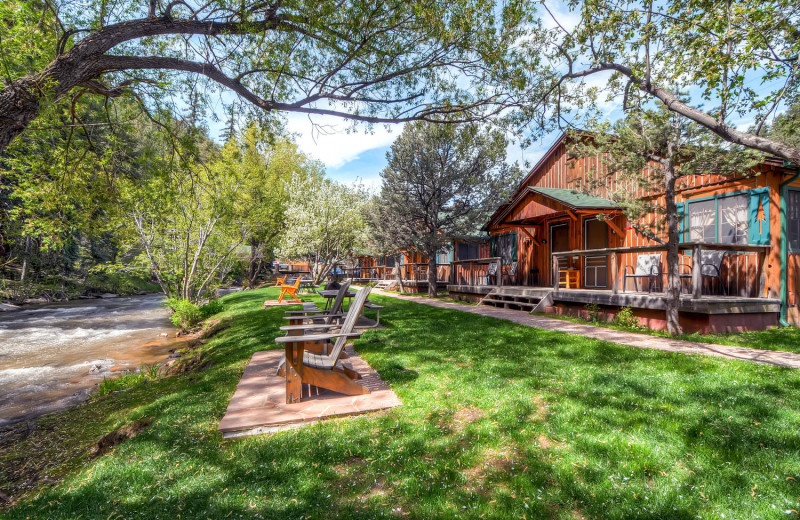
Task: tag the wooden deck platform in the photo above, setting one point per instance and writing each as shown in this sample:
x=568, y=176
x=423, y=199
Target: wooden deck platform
x=710, y=313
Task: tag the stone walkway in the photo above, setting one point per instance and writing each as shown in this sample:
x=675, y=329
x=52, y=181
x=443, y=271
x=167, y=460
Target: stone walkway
x=772, y=357
x=259, y=403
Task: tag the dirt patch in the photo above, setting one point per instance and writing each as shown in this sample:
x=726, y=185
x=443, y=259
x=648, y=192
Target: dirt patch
x=493, y=463
x=189, y=363
x=466, y=416
x=212, y=327
x=350, y=465
x=542, y=412
x=118, y=436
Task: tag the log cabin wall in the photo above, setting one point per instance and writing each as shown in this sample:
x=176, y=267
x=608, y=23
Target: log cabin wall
x=740, y=271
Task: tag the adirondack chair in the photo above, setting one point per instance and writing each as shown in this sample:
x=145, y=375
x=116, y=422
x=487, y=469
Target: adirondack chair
x=647, y=266
x=290, y=290
x=322, y=370
x=312, y=312
x=710, y=267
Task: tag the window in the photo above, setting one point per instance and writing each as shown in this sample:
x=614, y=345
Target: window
x=793, y=219
x=468, y=251
x=702, y=221
x=733, y=220
x=389, y=261
x=505, y=246
x=443, y=256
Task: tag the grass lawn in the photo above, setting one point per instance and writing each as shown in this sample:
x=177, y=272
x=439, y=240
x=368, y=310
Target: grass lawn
x=499, y=421
x=784, y=338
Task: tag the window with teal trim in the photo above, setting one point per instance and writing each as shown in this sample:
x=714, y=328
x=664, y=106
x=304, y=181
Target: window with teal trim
x=733, y=218
x=505, y=246
x=793, y=219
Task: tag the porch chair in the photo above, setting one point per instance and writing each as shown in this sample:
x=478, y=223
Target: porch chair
x=326, y=370
x=491, y=273
x=290, y=290
x=710, y=267
x=512, y=271
x=647, y=266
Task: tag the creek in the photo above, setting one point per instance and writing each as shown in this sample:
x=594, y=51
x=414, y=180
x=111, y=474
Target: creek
x=52, y=356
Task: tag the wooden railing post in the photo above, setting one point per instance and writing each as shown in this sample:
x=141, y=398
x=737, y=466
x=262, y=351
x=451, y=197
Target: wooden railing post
x=697, y=275
x=615, y=278
x=499, y=273
x=555, y=272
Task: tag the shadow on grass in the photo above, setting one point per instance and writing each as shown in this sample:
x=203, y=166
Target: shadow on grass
x=499, y=421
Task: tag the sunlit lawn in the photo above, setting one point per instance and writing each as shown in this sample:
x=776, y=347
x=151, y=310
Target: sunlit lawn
x=498, y=421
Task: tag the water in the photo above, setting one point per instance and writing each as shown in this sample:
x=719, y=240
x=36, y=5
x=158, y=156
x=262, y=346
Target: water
x=52, y=356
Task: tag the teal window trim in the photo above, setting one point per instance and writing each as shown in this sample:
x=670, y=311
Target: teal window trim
x=687, y=228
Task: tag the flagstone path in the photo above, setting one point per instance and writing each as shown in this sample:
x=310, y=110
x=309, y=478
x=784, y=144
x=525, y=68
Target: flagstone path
x=633, y=339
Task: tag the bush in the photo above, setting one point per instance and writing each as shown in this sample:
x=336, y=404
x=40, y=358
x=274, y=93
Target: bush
x=211, y=308
x=185, y=314
x=625, y=318
x=594, y=312
x=129, y=380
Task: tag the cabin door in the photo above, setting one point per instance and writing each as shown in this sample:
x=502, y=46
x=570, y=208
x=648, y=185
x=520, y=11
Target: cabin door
x=596, y=267
x=559, y=241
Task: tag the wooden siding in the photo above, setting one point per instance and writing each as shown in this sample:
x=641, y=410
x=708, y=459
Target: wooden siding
x=740, y=271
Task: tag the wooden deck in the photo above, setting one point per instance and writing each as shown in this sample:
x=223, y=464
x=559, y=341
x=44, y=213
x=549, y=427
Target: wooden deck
x=710, y=313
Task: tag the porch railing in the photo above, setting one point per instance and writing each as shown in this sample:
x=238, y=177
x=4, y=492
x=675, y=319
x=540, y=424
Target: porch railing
x=614, y=254
x=475, y=271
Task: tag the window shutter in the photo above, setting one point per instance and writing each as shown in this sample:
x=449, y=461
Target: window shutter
x=681, y=222
x=758, y=217
x=514, y=246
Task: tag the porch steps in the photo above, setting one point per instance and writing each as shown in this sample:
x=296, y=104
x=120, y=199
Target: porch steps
x=385, y=285
x=519, y=298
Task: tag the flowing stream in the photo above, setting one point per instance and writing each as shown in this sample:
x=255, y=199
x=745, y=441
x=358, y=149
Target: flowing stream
x=51, y=356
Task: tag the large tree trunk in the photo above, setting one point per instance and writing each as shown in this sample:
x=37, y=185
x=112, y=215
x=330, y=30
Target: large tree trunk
x=673, y=267
x=432, y=274
x=398, y=273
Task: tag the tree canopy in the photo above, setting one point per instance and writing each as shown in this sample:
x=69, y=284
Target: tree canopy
x=739, y=60
x=443, y=182
x=386, y=61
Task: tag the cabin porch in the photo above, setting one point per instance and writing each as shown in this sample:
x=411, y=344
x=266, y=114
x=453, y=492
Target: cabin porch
x=737, y=300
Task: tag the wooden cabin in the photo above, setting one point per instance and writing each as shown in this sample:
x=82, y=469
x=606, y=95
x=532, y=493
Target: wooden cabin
x=414, y=265
x=558, y=248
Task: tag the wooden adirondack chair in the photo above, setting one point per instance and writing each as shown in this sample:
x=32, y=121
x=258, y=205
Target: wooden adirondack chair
x=290, y=290
x=322, y=370
x=312, y=312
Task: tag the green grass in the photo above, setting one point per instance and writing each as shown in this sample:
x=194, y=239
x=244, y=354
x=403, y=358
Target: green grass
x=784, y=338
x=498, y=421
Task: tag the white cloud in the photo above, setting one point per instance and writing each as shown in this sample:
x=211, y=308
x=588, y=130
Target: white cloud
x=327, y=138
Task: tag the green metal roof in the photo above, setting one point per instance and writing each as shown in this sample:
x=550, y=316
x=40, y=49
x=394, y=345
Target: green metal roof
x=574, y=198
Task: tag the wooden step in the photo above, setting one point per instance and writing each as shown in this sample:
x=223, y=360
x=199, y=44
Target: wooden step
x=506, y=303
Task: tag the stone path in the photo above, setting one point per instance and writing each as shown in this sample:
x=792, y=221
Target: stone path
x=633, y=339
x=259, y=403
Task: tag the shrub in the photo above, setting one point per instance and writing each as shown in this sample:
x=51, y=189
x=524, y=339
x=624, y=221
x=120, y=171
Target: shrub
x=594, y=312
x=625, y=318
x=129, y=380
x=185, y=314
x=211, y=308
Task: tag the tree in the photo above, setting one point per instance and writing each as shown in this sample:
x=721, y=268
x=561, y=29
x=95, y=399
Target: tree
x=650, y=150
x=741, y=59
x=271, y=164
x=444, y=181
x=324, y=222
x=388, y=234
x=388, y=61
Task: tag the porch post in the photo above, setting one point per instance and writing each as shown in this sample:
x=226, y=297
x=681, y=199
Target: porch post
x=615, y=279
x=499, y=272
x=697, y=277
x=554, y=268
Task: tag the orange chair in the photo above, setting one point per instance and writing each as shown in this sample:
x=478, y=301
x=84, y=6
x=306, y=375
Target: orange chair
x=289, y=290
x=280, y=281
